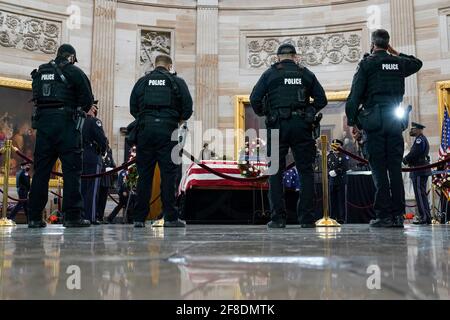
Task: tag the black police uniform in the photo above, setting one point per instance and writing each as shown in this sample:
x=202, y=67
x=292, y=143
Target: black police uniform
x=379, y=85
x=95, y=144
x=419, y=156
x=23, y=188
x=287, y=89
x=159, y=101
x=338, y=163
x=106, y=183
x=58, y=135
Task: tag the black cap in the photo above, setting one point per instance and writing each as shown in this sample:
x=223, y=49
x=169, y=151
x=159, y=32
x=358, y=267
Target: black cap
x=67, y=48
x=416, y=125
x=23, y=164
x=286, y=49
x=337, y=141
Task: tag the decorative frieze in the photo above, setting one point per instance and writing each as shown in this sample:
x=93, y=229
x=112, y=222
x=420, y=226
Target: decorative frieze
x=314, y=50
x=29, y=33
x=152, y=44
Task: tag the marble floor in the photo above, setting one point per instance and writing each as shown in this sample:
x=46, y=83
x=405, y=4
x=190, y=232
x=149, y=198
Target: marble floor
x=224, y=262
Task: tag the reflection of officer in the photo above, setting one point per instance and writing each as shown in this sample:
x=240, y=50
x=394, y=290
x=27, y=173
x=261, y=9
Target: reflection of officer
x=95, y=144
x=287, y=88
x=159, y=101
x=59, y=88
x=379, y=85
x=23, y=187
x=337, y=170
x=419, y=156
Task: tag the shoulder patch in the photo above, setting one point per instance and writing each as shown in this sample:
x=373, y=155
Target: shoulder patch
x=99, y=123
x=419, y=141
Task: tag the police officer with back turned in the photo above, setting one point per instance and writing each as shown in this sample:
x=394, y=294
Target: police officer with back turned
x=62, y=93
x=379, y=86
x=159, y=101
x=287, y=88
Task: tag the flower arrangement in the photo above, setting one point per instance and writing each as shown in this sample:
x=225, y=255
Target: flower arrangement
x=251, y=159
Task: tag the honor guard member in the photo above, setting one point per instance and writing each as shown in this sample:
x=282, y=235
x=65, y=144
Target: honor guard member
x=23, y=182
x=419, y=156
x=62, y=94
x=287, y=88
x=338, y=165
x=379, y=85
x=159, y=101
x=95, y=145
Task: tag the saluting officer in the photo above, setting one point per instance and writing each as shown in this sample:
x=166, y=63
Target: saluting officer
x=287, y=89
x=159, y=101
x=95, y=144
x=338, y=165
x=420, y=156
x=379, y=85
x=62, y=93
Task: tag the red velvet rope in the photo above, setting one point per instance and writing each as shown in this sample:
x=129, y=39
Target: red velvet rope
x=421, y=168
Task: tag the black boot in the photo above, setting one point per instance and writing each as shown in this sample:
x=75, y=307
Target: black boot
x=382, y=223
x=280, y=224
x=81, y=223
x=37, y=224
x=398, y=222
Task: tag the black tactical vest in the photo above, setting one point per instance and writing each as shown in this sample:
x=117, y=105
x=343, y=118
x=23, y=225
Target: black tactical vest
x=386, y=83
x=161, y=91
x=288, y=88
x=50, y=88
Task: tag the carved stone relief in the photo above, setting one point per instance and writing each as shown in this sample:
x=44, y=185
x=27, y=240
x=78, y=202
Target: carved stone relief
x=314, y=50
x=152, y=44
x=29, y=33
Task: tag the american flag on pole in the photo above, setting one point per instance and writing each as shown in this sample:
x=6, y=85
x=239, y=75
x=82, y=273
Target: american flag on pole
x=442, y=180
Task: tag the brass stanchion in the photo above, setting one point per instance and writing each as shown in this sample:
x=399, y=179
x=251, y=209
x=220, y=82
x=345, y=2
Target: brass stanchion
x=6, y=151
x=326, y=221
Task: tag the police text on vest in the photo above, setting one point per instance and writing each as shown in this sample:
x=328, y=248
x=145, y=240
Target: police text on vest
x=391, y=67
x=156, y=82
x=47, y=77
x=295, y=81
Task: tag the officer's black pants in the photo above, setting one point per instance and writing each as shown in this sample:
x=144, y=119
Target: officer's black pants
x=297, y=135
x=57, y=137
x=338, y=202
x=155, y=146
x=89, y=191
x=420, y=191
x=385, y=149
x=20, y=205
x=102, y=199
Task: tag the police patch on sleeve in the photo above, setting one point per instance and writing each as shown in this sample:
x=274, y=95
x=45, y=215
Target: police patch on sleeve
x=99, y=123
x=419, y=141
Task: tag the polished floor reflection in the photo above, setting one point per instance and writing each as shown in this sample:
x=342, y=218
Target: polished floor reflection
x=224, y=262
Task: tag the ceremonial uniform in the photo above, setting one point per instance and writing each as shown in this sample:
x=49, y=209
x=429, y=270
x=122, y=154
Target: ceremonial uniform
x=287, y=88
x=23, y=188
x=379, y=85
x=417, y=157
x=159, y=101
x=60, y=91
x=95, y=144
x=337, y=170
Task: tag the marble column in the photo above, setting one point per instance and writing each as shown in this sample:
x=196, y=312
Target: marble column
x=103, y=59
x=403, y=40
x=207, y=67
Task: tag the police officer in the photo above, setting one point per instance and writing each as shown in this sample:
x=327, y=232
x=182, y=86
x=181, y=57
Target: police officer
x=419, y=156
x=337, y=170
x=62, y=93
x=106, y=183
x=159, y=101
x=287, y=88
x=379, y=85
x=23, y=188
x=95, y=144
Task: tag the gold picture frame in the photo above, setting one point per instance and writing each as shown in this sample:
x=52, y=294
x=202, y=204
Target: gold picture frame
x=20, y=84
x=443, y=95
x=239, y=115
